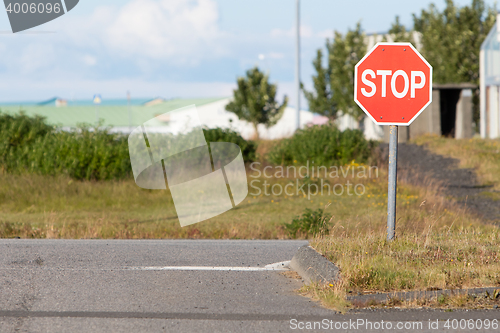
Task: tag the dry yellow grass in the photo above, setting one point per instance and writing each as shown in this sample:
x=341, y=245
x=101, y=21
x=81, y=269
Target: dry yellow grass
x=438, y=245
x=482, y=155
x=34, y=206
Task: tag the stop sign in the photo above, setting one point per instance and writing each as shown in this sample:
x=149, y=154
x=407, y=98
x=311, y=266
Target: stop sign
x=393, y=84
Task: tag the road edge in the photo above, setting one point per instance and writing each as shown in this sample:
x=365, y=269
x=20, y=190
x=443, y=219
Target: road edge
x=314, y=267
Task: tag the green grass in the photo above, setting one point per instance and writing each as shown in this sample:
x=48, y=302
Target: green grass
x=435, y=248
x=438, y=244
x=59, y=207
x=36, y=206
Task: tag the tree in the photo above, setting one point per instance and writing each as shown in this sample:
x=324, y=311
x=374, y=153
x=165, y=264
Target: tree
x=451, y=39
x=334, y=84
x=398, y=33
x=321, y=100
x=255, y=100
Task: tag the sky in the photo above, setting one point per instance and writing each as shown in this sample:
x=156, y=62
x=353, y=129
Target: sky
x=178, y=48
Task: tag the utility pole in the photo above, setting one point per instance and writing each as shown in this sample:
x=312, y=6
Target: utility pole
x=297, y=63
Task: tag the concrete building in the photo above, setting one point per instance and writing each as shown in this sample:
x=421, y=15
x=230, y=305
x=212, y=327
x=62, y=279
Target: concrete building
x=489, y=80
x=449, y=114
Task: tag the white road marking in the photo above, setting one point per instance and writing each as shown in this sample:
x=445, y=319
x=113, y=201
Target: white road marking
x=279, y=266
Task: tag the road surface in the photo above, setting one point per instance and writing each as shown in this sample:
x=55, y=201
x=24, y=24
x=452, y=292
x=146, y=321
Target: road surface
x=172, y=286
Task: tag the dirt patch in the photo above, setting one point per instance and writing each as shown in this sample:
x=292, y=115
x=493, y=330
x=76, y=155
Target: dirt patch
x=417, y=165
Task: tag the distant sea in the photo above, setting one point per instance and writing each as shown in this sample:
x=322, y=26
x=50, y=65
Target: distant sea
x=84, y=102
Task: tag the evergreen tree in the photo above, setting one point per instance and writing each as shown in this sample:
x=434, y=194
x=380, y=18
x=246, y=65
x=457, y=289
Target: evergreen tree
x=255, y=100
x=334, y=84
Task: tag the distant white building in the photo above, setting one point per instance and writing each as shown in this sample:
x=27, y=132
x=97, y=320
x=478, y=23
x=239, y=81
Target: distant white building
x=489, y=83
x=372, y=39
x=215, y=115
x=56, y=101
x=120, y=117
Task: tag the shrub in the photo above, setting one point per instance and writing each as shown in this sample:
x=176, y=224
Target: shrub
x=323, y=145
x=310, y=223
x=29, y=144
x=248, y=148
x=83, y=153
x=16, y=133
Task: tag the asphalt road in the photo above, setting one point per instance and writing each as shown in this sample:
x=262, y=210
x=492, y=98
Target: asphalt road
x=133, y=286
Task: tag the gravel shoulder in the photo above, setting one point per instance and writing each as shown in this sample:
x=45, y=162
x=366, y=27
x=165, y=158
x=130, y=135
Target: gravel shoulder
x=417, y=165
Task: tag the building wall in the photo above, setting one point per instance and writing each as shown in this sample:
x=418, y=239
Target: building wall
x=429, y=121
x=463, y=121
x=215, y=115
x=492, y=122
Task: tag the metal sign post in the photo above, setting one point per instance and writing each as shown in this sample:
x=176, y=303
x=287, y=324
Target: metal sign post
x=297, y=63
x=393, y=182
x=393, y=85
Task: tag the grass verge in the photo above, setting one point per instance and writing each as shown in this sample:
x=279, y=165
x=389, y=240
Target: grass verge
x=479, y=154
x=438, y=246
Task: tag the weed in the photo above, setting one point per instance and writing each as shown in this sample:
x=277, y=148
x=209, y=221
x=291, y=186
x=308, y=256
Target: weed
x=310, y=223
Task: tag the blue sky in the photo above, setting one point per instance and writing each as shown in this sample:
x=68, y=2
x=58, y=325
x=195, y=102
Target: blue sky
x=177, y=48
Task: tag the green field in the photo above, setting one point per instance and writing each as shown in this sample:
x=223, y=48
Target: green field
x=35, y=206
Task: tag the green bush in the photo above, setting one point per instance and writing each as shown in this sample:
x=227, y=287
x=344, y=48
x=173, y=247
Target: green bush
x=16, y=133
x=323, y=145
x=310, y=223
x=83, y=153
x=29, y=144
x=248, y=148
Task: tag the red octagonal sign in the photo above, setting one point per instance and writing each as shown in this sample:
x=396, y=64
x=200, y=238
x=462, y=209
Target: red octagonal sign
x=393, y=84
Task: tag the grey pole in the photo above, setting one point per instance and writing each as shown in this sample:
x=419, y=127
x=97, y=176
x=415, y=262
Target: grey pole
x=393, y=175
x=297, y=63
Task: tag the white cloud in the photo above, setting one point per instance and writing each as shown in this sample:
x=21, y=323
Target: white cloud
x=34, y=57
x=178, y=31
x=115, y=88
x=271, y=55
x=153, y=47
x=89, y=60
x=182, y=30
